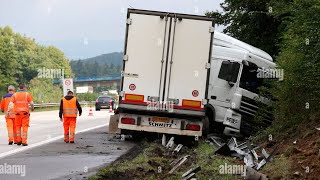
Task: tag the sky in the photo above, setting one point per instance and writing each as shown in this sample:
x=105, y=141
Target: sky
x=86, y=28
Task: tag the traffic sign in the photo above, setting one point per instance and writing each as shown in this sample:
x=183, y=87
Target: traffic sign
x=67, y=82
x=67, y=85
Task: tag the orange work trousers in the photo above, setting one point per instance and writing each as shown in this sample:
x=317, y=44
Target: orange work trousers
x=11, y=127
x=69, y=125
x=22, y=126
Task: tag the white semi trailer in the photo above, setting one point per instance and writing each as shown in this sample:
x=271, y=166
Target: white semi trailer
x=181, y=77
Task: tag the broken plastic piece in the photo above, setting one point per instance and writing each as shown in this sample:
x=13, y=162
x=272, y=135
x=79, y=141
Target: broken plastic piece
x=223, y=150
x=164, y=140
x=191, y=171
x=170, y=143
x=217, y=141
x=232, y=143
x=178, y=148
x=248, y=160
x=179, y=164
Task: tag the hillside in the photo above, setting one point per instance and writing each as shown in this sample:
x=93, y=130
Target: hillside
x=99, y=66
x=114, y=58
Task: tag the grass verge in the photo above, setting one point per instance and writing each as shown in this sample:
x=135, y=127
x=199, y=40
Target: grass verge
x=153, y=162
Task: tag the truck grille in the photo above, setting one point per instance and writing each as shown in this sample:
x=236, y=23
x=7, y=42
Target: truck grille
x=249, y=108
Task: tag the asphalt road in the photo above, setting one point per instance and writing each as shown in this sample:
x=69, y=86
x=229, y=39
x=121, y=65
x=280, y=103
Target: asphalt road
x=49, y=157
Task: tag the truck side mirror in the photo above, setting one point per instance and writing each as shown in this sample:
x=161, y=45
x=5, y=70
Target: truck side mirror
x=229, y=71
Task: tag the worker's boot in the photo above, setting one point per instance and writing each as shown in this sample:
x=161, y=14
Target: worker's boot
x=19, y=143
x=71, y=141
x=10, y=143
x=24, y=144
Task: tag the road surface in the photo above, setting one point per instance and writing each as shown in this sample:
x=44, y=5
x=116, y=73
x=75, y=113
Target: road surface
x=49, y=157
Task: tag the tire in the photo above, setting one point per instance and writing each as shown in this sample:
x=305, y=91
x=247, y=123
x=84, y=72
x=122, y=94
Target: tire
x=206, y=127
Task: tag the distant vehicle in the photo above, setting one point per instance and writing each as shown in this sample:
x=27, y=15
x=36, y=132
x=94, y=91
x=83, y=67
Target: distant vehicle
x=103, y=102
x=182, y=77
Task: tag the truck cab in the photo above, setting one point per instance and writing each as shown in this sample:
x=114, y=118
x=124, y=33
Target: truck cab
x=233, y=86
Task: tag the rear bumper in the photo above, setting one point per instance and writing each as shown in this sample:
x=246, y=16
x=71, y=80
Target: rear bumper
x=172, y=125
x=160, y=130
x=177, y=113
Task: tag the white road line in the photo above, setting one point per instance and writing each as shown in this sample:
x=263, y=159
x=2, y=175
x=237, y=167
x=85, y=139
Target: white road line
x=8, y=153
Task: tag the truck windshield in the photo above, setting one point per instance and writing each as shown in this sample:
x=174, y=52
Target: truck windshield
x=249, y=79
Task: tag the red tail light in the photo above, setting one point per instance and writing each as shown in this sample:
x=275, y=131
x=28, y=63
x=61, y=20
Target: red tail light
x=127, y=121
x=193, y=127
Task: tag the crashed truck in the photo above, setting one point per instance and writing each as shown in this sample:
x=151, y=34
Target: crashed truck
x=182, y=77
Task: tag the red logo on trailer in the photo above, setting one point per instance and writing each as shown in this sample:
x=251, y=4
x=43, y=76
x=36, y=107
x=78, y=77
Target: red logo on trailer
x=132, y=87
x=195, y=93
x=67, y=82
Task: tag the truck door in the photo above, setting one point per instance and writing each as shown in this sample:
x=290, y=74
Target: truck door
x=187, y=68
x=167, y=59
x=144, y=57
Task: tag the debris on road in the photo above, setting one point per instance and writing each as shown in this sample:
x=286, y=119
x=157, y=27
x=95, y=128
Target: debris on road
x=266, y=158
x=170, y=143
x=245, y=151
x=179, y=163
x=215, y=140
x=191, y=173
x=223, y=150
x=164, y=140
x=177, y=149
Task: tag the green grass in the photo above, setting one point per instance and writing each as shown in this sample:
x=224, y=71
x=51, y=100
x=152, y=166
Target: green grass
x=279, y=168
x=145, y=165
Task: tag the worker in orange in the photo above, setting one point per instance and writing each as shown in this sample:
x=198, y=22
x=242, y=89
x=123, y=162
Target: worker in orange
x=10, y=117
x=21, y=100
x=69, y=108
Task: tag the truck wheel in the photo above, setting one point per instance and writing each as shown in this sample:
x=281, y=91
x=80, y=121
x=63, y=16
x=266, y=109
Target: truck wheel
x=206, y=127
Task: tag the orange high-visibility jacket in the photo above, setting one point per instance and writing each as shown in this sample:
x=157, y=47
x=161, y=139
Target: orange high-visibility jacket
x=4, y=106
x=21, y=101
x=70, y=107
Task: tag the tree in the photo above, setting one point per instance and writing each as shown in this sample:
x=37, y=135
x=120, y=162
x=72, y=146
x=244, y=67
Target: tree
x=8, y=58
x=21, y=58
x=250, y=21
x=299, y=93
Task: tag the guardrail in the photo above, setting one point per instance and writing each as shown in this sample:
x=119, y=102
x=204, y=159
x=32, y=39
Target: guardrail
x=46, y=105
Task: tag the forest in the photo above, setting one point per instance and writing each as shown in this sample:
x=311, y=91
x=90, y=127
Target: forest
x=21, y=58
x=99, y=66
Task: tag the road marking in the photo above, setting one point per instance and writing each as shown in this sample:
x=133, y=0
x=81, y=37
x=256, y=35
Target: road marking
x=20, y=149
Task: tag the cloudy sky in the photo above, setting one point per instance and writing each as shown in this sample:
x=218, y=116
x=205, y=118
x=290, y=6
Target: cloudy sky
x=85, y=28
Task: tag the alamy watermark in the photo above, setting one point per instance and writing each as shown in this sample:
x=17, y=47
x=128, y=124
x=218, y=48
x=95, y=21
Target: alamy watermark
x=50, y=73
x=160, y=105
x=7, y=169
x=271, y=73
x=233, y=169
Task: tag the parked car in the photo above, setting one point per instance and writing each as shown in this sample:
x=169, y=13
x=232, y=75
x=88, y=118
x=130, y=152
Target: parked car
x=103, y=102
